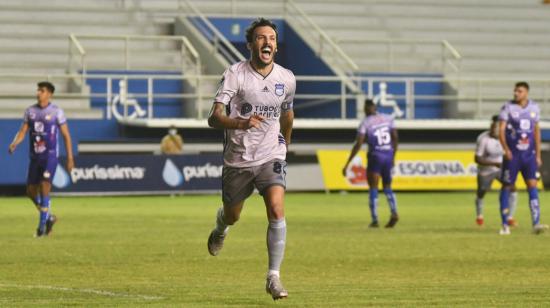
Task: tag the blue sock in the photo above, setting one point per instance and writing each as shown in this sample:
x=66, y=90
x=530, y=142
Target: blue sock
x=504, y=206
x=534, y=205
x=37, y=201
x=373, y=204
x=390, y=196
x=44, y=213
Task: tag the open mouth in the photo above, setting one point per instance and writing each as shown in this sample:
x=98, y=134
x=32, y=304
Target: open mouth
x=265, y=53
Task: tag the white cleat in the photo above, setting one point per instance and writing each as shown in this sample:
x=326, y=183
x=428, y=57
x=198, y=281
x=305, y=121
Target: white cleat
x=274, y=287
x=539, y=228
x=504, y=231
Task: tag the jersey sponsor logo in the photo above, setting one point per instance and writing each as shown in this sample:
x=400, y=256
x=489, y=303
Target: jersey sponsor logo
x=246, y=108
x=39, y=127
x=267, y=111
x=279, y=89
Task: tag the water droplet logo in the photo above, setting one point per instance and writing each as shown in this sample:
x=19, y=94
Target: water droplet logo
x=171, y=174
x=61, y=178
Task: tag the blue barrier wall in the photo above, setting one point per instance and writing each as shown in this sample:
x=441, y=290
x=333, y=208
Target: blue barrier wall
x=162, y=107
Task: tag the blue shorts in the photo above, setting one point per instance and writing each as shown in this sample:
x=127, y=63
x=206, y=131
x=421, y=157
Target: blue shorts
x=41, y=169
x=524, y=162
x=382, y=164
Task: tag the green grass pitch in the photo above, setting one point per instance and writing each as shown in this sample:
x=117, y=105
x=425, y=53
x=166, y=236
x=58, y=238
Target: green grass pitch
x=151, y=251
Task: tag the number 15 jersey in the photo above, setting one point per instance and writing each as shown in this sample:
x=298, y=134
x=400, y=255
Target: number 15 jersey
x=377, y=128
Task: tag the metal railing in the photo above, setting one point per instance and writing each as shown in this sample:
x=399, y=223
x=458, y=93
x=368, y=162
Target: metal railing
x=219, y=41
x=188, y=54
x=483, y=98
x=450, y=57
x=325, y=45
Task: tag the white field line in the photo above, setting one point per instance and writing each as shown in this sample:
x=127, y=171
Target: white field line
x=76, y=290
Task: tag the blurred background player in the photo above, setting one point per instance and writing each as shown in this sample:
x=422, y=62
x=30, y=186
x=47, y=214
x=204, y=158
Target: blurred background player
x=488, y=156
x=172, y=143
x=381, y=137
x=257, y=95
x=43, y=121
x=519, y=135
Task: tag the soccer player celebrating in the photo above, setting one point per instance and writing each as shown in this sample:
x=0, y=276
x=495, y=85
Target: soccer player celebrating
x=488, y=156
x=257, y=96
x=43, y=121
x=381, y=137
x=519, y=135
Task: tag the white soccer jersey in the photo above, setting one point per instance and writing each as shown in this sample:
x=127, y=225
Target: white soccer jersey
x=490, y=149
x=245, y=92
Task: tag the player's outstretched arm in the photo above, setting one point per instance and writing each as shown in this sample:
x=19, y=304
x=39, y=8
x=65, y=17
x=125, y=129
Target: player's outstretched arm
x=286, y=120
x=218, y=119
x=537, y=144
x=68, y=146
x=19, y=137
x=502, y=139
x=356, y=147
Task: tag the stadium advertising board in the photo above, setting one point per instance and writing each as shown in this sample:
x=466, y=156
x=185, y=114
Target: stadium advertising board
x=414, y=170
x=140, y=174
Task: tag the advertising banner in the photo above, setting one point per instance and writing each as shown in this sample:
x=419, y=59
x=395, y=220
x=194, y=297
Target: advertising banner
x=413, y=170
x=140, y=174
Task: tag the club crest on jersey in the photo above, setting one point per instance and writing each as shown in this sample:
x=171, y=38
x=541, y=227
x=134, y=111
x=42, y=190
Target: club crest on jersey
x=533, y=115
x=47, y=174
x=279, y=89
x=48, y=117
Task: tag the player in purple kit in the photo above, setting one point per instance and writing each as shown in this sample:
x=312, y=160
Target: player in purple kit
x=43, y=121
x=381, y=137
x=520, y=139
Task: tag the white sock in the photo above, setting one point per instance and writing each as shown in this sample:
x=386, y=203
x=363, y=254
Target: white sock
x=479, y=207
x=221, y=226
x=276, y=241
x=513, y=204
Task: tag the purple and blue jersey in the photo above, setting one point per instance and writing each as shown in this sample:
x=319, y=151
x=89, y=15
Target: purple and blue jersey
x=520, y=138
x=520, y=126
x=377, y=128
x=43, y=125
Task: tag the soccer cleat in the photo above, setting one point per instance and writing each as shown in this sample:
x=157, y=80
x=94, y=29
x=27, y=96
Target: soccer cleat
x=504, y=231
x=274, y=287
x=374, y=224
x=215, y=242
x=49, y=224
x=539, y=228
x=512, y=222
x=39, y=233
x=479, y=221
x=393, y=221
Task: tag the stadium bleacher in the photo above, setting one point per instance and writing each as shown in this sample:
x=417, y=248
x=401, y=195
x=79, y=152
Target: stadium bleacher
x=357, y=43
